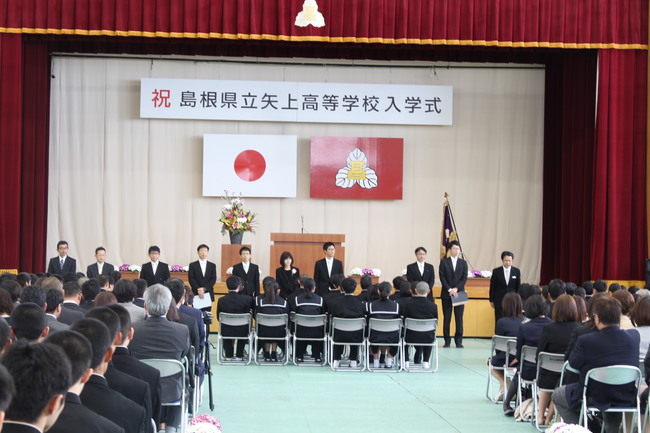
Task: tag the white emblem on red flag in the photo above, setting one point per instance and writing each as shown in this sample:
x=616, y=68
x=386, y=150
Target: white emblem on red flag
x=356, y=171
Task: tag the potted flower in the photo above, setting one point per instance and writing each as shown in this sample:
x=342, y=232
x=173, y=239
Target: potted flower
x=235, y=220
x=130, y=268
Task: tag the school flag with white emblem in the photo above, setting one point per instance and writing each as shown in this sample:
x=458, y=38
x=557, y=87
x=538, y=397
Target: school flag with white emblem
x=366, y=168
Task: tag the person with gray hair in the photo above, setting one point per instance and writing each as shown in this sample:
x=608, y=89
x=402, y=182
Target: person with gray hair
x=157, y=299
x=421, y=308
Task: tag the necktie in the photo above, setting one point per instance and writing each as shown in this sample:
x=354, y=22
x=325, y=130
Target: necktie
x=507, y=275
x=61, y=264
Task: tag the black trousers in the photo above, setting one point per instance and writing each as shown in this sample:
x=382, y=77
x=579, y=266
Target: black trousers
x=447, y=309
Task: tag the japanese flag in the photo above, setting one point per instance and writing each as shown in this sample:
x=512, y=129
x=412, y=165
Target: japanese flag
x=253, y=165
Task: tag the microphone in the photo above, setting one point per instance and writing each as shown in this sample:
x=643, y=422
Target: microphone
x=302, y=224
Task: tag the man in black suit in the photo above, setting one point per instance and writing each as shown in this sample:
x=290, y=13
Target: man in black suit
x=453, y=274
x=70, y=309
x=155, y=271
x=53, y=301
x=129, y=364
x=234, y=303
x=100, y=267
x=610, y=345
x=325, y=268
x=504, y=279
x=62, y=264
x=348, y=307
x=76, y=417
x=421, y=271
x=96, y=394
x=420, y=307
x=203, y=274
x=193, y=322
x=248, y=272
x=41, y=374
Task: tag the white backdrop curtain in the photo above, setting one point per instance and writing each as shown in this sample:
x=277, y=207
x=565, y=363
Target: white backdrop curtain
x=126, y=183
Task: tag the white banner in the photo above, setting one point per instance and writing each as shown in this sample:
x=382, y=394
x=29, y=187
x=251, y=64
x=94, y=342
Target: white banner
x=281, y=101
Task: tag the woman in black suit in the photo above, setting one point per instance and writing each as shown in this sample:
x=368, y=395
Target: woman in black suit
x=287, y=275
x=555, y=339
x=507, y=326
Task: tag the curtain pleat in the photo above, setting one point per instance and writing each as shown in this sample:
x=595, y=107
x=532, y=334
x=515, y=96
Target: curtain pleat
x=518, y=23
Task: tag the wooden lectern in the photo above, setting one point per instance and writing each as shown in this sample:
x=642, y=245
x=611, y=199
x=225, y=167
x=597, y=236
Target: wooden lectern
x=306, y=249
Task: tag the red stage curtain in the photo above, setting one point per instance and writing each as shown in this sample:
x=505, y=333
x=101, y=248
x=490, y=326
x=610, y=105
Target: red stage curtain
x=505, y=23
x=10, y=147
x=568, y=170
x=619, y=220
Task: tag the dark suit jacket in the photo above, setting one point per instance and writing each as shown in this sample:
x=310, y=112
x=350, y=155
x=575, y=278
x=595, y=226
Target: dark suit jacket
x=288, y=280
x=349, y=307
x=235, y=304
x=55, y=325
x=251, y=279
x=69, y=265
x=450, y=278
x=609, y=346
x=129, y=364
x=92, y=270
x=99, y=398
x=10, y=427
x=198, y=317
x=132, y=388
x=498, y=286
x=429, y=276
x=321, y=276
x=70, y=313
x=76, y=417
x=162, y=273
x=157, y=337
x=420, y=308
x=197, y=279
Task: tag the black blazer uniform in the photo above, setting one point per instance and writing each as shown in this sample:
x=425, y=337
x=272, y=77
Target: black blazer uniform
x=450, y=278
x=161, y=275
x=429, y=275
x=99, y=398
x=207, y=281
x=92, y=271
x=134, y=389
x=70, y=313
x=288, y=280
x=250, y=279
x=69, y=265
x=76, y=417
x=235, y=304
x=129, y=364
x=349, y=307
x=420, y=308
x=322, y=277
x=280, y=306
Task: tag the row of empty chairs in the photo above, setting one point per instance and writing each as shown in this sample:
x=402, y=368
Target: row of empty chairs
x=555, y=362
x=330, y=327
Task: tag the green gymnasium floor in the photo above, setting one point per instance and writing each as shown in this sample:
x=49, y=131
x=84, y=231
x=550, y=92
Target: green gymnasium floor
x=291, y=399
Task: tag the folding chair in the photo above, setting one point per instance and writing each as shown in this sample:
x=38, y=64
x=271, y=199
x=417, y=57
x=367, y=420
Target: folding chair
x=348, y=325
x=553, y=362
x=169, y=368
x=613, y=375
x=420, y=325
x=306, y=321
x=385, y=325
x=500, y=343
x=271, y=321
x=243, y=319
x=529, y=354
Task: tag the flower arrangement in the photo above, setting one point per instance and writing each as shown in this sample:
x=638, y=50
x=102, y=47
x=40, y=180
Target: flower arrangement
x=479, y=274
x=204, y=424
x=358, y=272
x=130, y=268
x=234, y=218
x=179, y=268
x=560, y=427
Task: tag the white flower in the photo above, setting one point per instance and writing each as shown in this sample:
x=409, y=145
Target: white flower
x=236, y=201
x=229, y=271
x=241, y=220
x=376, y=272
x=355, y=271
x=486, y=274
x=470, y=274
x=227, y=206
x=356, y=171
x=135, y=268
x=293, y=271
x=186, y=268
x=203, y=428
x=560, y=427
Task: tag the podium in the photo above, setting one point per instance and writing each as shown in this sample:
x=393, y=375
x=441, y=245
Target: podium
x=306, y=249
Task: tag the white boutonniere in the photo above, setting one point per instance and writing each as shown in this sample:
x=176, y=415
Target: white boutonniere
x=293, y=271
x=514, y=277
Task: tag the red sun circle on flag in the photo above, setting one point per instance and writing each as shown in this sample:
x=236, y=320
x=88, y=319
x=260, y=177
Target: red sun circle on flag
x=250, y=165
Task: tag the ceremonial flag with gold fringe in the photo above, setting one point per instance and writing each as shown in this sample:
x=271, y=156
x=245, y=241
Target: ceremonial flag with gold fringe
x=448, y=229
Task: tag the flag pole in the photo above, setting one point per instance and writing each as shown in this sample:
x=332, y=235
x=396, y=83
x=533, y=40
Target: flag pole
x=453, y=223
